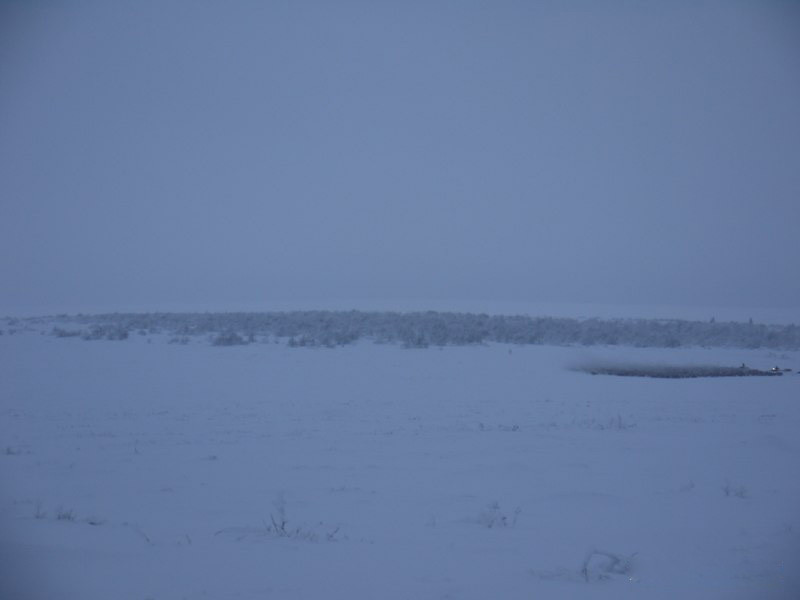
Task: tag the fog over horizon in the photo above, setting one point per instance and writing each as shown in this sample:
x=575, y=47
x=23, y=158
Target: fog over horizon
x=466, y=156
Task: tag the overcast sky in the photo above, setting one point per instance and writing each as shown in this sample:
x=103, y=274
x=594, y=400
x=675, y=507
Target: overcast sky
x=228, y=154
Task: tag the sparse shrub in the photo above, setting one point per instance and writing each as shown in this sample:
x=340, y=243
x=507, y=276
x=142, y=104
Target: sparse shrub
x=279, y=527
x=513, y=427
x=117, y=333
x=63, y=514
x=599, y=565
x=484, y=427
x=229, y=338
x=618, y=424
x=302, y=342
x=64, y=333
x=494, y=517
x=279, y=524
x=735, y=491
x=107, y=332
x=414, y=340
x=136, y=529
x=95, y=333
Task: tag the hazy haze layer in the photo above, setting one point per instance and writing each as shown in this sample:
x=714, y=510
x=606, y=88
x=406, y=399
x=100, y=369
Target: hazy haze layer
x=203, y=155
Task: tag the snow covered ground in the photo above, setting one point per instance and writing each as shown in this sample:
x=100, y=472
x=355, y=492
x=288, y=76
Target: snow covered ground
x=140, y=470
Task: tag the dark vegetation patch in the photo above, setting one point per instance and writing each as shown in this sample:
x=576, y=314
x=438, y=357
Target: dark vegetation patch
x=677, y=372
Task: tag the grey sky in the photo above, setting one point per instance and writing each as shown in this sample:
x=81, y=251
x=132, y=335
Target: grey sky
x=210, y=154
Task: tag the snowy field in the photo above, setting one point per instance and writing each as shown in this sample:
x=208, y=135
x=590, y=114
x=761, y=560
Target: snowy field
x=139, y=469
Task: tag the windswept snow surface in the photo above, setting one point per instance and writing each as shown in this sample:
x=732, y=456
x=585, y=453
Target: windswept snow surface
x=137, y=469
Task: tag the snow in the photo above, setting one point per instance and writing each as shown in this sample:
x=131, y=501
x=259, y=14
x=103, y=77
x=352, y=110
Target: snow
x=465, y=472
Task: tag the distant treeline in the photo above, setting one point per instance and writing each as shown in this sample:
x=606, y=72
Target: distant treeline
x=422, y=329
